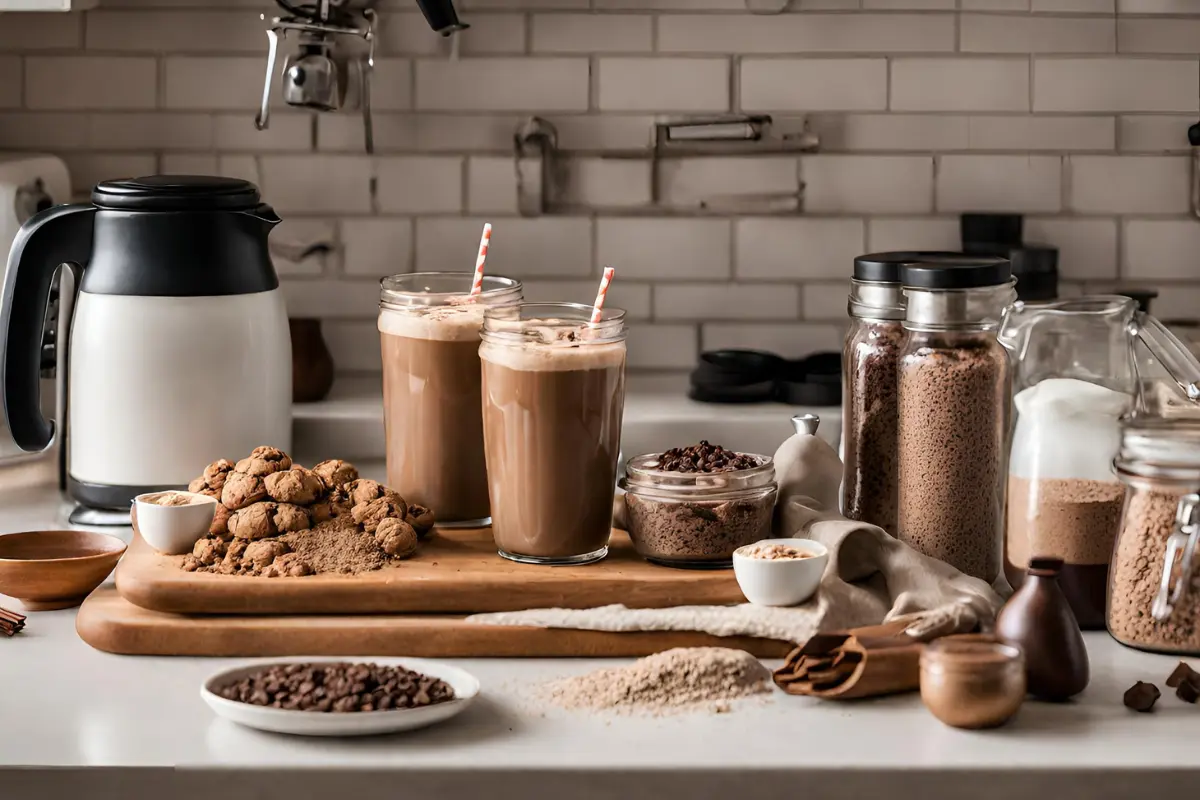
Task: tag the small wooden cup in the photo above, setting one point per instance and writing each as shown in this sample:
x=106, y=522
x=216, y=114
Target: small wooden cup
x=47, y=570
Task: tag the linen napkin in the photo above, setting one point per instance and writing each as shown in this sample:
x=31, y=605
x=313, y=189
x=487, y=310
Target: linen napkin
x=871, y=577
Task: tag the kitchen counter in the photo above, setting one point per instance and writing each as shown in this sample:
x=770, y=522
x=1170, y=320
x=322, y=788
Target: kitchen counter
x=658, y=416
x=75, y=722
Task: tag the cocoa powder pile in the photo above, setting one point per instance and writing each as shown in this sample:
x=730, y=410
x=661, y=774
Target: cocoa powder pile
x=1137, y=568
x=684, y=679
x=277, y=519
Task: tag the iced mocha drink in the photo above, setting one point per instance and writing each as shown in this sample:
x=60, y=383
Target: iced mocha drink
x=553, y=396
x=429, y=333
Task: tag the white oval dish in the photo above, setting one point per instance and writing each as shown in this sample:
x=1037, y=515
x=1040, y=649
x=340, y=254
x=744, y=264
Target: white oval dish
x=780, y=582
x=354, y=723
x=174, y=530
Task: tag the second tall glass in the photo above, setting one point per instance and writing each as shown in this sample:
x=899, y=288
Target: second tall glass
x=553, y=396
x=429, y=330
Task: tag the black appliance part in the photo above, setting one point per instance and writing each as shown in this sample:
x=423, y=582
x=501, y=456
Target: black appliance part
x=996, y=230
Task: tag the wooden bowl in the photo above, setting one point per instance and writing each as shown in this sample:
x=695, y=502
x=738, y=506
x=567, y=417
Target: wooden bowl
x=46, y=570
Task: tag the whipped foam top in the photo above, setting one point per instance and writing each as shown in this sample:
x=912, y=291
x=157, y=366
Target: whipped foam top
x=450, y=323
x=557, y=355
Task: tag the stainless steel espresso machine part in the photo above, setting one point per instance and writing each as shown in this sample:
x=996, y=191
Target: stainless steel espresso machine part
x=323, y=74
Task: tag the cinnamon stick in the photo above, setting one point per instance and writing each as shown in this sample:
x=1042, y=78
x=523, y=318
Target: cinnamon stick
x=11, y=623
x=11, y=616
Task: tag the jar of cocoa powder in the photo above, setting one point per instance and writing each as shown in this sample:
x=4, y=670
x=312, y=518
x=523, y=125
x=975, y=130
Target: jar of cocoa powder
x=1154, y=583
x=697, y=519
x=870, y=358
x=953, y=385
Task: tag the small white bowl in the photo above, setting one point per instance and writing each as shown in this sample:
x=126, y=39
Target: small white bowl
x=174, y=530
x=784, y=581
x=359, y=723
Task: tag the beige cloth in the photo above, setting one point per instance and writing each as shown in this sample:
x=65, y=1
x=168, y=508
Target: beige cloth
x=871, y=577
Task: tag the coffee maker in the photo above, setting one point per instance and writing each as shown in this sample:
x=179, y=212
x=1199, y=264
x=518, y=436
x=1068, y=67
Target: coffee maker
x=324, y=74
x=178, y=350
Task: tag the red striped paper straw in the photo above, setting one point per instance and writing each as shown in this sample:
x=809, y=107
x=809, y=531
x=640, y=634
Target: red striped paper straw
x=477, y=282
x=598, y=308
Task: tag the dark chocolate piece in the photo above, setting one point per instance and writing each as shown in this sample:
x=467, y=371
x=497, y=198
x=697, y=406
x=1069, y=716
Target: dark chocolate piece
x=1142, y=696
x=1188, y=692
x=1183, y=674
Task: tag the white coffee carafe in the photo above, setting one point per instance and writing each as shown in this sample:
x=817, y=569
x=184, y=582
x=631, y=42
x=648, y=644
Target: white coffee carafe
x=179, y=351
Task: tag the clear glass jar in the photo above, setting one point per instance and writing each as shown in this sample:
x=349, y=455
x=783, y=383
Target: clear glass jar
x=870, y=359
x=697, y=519
x=553, y=396
x=429, y=335
x=1076, y=377
x=1154, y=585
x=954, y=390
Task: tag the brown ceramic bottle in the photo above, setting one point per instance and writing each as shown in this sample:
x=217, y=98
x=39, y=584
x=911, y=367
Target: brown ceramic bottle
x=1039, y=620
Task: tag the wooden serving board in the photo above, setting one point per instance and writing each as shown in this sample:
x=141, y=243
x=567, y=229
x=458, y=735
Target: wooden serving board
x=110, y=623
x=455, y=572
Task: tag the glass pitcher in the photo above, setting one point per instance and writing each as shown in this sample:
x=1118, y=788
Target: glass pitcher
x=1075, y=376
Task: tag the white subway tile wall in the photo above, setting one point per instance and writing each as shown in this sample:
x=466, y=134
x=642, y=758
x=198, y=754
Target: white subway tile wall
x=1074, y=112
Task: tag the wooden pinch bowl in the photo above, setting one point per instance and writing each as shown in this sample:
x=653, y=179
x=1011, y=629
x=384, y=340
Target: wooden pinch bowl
x=47, y=570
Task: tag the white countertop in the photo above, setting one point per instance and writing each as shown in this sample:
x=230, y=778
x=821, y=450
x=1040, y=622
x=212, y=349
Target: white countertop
x=128, y=726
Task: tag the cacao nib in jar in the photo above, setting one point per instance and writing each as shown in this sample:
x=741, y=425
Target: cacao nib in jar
x=1154, y=583
x=692, y=507
x=954, y=385
x=870, y=359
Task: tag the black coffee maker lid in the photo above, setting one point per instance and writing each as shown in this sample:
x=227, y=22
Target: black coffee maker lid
x=177, y=193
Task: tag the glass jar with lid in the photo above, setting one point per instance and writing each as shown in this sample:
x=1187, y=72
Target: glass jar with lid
x=954, y=383
x=1075, y=377
x=870, y=358
x=697, y=519
x=1154, y=583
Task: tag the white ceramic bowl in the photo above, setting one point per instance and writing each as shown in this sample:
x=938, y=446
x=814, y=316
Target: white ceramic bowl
x=174, y=530
x=780, y=582
x=357, y=723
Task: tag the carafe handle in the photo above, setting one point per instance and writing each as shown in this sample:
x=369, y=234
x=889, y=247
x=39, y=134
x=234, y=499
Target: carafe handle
x=1180, y=545
x=1165, y=346
x=56, y=236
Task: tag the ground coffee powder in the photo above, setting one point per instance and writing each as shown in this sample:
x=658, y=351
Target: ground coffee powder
x=1136, y=572
x=1075, y=520
x=954, y=396
x=870, y=412
x=694, y=532
x=685, y=679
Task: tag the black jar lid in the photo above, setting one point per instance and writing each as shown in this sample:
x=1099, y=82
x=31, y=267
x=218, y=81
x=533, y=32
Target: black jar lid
x=886, y=267
x=956, y=271
x=177, y=193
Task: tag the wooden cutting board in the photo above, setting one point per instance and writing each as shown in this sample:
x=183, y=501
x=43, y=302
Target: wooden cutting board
x=455, y=572
x=109, y=623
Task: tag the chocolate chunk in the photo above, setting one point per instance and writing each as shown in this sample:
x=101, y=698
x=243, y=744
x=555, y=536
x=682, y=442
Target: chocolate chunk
x=1141, y=696
x=1183, y=674
x=1188, y=692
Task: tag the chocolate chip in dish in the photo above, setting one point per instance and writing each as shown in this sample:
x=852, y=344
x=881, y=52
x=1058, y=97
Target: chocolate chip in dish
x=337, y=687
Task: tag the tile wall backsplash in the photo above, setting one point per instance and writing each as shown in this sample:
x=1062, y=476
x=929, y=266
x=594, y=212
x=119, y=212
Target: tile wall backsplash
x=1073, y=111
